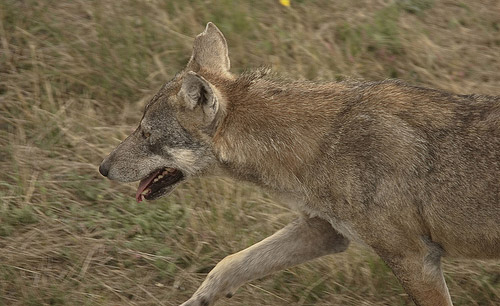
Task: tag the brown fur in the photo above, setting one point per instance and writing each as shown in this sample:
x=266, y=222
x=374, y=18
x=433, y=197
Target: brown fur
x=409, y=171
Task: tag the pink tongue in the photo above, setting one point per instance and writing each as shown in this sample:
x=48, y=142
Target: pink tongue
x=143, y=184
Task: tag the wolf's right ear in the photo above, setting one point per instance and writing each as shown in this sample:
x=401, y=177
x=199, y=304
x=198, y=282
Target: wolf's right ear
x=197, y=91
x=210, y=51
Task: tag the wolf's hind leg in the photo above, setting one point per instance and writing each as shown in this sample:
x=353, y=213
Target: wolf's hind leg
x=300, y=241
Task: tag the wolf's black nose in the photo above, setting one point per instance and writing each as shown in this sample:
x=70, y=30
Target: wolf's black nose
x=104, y=169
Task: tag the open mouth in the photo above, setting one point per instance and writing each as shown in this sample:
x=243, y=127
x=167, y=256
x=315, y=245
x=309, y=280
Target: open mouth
x=158, y=183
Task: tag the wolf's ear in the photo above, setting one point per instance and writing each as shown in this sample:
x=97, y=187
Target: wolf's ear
x=210, y=51
x=197, y=91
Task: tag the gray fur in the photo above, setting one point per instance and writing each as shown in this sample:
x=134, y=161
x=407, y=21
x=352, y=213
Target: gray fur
x=411, y=172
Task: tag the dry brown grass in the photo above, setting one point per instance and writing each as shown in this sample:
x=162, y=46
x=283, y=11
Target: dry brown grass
x=74, y=77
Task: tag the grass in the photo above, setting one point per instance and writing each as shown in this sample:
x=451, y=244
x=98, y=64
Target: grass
x=74, y=78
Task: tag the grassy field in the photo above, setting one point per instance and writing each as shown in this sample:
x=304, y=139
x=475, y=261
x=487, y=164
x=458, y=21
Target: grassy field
x=74, y=78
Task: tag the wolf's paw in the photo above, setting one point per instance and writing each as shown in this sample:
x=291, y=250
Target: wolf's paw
x=201, y=300
x=197, y=301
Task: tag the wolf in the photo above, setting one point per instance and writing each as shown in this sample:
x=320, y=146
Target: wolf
x=411, y=172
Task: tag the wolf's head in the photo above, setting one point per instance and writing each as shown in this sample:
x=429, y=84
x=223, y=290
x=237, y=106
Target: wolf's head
x=172, y=141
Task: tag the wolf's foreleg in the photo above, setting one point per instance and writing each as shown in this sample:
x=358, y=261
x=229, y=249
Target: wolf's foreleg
x=300, y=241
x=418, y=268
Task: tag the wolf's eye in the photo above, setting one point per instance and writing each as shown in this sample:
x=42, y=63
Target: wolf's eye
x=146, y=135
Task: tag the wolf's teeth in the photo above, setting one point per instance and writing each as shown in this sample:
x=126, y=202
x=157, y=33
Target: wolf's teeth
x=146, y=192
x=168, y=171
x=155, y=180
x=159, y=176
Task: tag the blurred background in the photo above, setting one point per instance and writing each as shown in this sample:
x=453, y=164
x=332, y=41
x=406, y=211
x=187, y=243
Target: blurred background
x=74, y=79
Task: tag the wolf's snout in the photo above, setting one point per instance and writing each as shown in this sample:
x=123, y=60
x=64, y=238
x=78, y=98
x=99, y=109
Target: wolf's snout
x=104, y=168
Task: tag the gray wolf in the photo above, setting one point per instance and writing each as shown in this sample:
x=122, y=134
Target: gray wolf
x=411, y=172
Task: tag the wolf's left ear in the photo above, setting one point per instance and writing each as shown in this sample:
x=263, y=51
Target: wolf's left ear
x=210, y=51
x=197, y=91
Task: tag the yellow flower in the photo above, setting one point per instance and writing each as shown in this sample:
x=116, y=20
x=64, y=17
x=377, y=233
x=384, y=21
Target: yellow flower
x=285, y=2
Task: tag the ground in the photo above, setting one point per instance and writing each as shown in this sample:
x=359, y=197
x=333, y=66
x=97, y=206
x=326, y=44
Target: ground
x=74, y=79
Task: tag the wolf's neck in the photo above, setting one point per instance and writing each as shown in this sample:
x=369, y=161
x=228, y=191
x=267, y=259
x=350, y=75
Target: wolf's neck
x=273, y=131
